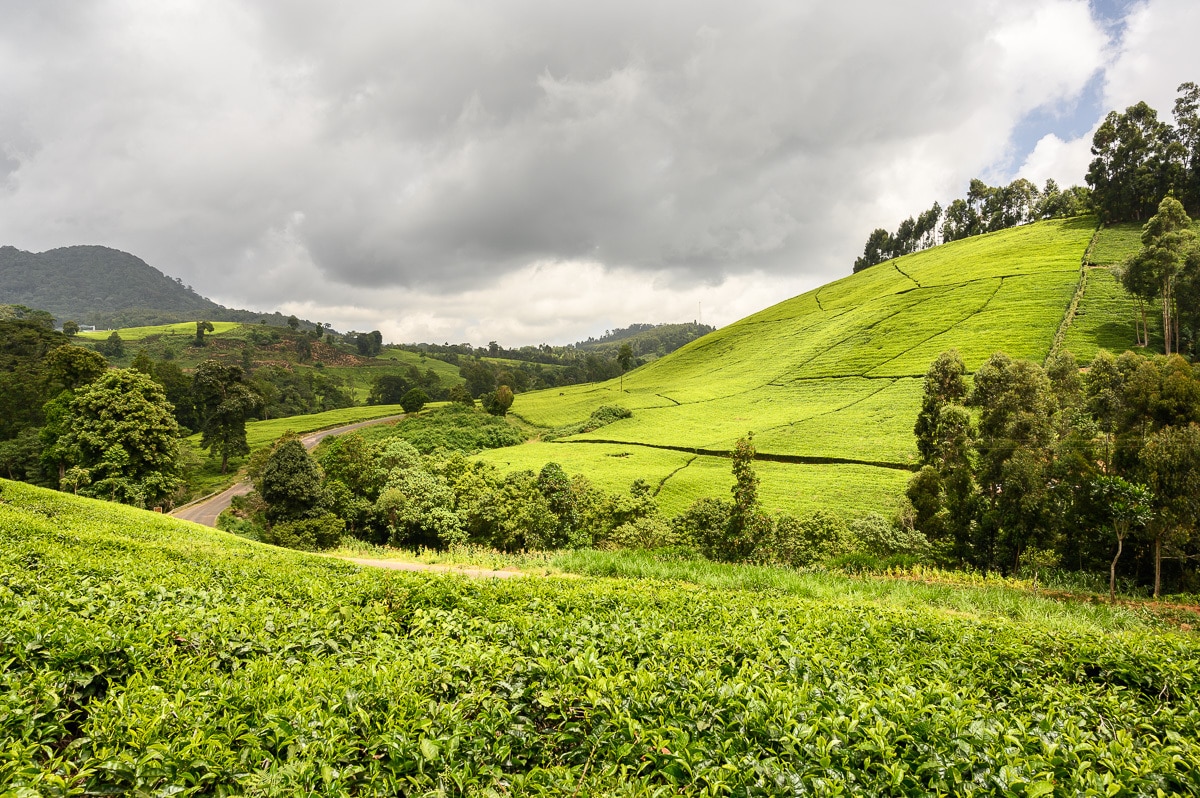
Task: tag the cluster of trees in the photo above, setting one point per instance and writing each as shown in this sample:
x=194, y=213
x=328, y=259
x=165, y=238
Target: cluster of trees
x=1139, y=158
x=391, y=389
x=1034, y=463
x=387, y=492
x=1167, y=270
x=985, y=209
x=69, y=421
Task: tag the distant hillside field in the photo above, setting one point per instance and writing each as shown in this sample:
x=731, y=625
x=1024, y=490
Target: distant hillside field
x=185, y=328
x=830, y=381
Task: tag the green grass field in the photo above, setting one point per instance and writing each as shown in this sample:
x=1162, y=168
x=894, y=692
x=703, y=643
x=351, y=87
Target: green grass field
x=1105, y=319
x=834, y=374
x=184, y=328
x=259, y=433
x=147, y=656
x=1117, y=242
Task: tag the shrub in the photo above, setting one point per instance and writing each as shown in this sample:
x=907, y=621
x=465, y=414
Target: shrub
x=648, y=532
x=706, y=523
x=312, y=534
x=876, y=535
x=413, y=401
x=804, y=541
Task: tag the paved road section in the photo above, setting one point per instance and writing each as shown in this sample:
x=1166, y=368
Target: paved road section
x=205, y=511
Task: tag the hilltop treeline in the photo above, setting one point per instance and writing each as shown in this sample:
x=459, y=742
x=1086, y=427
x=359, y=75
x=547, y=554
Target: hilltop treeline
x=1138, y=159
x=530, y=368
x=985, y=209
x=646, y=341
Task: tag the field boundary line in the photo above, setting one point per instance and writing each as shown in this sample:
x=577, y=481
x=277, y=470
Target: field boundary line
x=896, y=266
x=663, y=481
x=846, y=406
x=792, y=459
x=856, y=333
x=964, y=319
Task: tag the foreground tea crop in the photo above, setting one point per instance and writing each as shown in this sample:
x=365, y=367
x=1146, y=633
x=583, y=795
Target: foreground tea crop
x=142, y=655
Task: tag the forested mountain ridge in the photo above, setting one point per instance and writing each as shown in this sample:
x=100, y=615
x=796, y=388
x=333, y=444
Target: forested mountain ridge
x=106, y=287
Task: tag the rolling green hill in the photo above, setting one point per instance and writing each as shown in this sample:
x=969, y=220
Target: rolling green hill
x=148, y=656
x=830, y=381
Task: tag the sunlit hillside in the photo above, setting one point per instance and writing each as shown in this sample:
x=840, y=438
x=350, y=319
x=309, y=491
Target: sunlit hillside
x=830, y=381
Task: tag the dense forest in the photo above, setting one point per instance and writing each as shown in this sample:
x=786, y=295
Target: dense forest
x=107, y=288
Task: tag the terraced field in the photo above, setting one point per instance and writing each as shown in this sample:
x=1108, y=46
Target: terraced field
x=148, y=656
x=829, y=381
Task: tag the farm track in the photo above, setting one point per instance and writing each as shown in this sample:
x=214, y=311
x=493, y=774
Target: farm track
x=424, y=567
x=205, y=511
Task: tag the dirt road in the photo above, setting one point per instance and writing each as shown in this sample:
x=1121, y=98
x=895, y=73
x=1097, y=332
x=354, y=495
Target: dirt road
x=205, y=511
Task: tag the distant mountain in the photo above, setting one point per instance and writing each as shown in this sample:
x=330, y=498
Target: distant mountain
x=105, y=287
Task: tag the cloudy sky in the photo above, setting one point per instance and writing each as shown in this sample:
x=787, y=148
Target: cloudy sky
x=541, y=171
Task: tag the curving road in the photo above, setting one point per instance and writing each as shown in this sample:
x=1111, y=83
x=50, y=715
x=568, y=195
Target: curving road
x=205, y=511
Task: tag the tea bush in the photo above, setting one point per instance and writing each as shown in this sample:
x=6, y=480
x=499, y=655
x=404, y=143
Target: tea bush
x=147, y=656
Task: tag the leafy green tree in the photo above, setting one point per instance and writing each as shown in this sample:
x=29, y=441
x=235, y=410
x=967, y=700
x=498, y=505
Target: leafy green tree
x=1170, y=251
x=413, y=401
x=945, y=384
x=369, y=344
x=70, y=328
x=625, y=357
x=290, y=483
x=201, y=328
x=1135, y=163
x=554, y=484
x=177, y=385
x=388, y=389
x=69, y=367
x=480, y=377
x=1187, y=130
x=1171, y=464
x=748, y=525
x=1128, y=506
x=1015, y=433
x=122, y=432
x=293, y=322
x=112, y=347
x=353, y=461
x=499, y=401
x=460, y=395
x=223, y=403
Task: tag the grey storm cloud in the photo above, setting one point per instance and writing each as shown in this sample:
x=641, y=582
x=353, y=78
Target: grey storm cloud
x=359, y=158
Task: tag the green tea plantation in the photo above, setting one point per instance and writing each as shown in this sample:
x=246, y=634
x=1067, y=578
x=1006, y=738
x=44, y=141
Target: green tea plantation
x=830, y=381
x=144, y=656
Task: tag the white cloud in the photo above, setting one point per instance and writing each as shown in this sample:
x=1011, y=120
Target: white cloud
x=535, y=169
